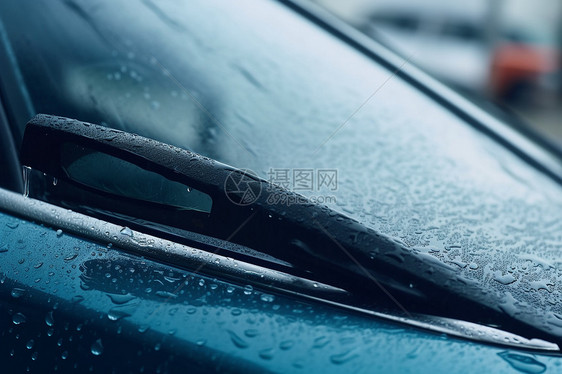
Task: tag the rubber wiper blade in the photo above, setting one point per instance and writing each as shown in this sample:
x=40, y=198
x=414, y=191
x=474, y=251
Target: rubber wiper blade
x=235, y=206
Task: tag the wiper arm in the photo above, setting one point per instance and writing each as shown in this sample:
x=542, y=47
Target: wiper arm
x=158, y=186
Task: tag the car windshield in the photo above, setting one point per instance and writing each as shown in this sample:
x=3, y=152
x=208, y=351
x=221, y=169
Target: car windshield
x=254, y=85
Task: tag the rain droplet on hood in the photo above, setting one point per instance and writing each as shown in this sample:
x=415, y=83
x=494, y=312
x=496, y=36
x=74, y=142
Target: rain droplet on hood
x=19, y=318
x=236, y=340
x=49, y=320
x=97, y=348
x=523, y=363
x=17, y=292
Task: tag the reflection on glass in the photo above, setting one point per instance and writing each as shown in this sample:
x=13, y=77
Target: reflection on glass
x=119, y=177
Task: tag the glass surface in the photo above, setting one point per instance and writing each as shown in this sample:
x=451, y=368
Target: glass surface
x=122, y=178
x=252, y=84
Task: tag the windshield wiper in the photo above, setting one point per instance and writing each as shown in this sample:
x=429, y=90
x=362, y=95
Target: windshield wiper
x=161, y=189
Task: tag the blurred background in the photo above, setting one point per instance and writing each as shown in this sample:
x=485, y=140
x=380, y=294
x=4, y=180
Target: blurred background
x=505, y=52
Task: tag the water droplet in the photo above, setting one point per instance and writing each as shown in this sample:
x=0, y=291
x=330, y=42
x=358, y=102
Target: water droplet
x=97, y=348
x=251, y=333
x=143, y=328
x=17, y=292
x=543, y=284
x=120, y=299
x=267, y=354
x=64, y=355
x=173, y=311
x=59, y=233
x=34, y=356
x=342, y=358
x=30, y=344
x=3, y=248
x=49, y=320
x=127, y=231
x=71, y=257
x=523, y=363
x=248, y=290
x=201, y=342
x=19, y=318
x=171, y=279
x=117, y=313
x=267, y=298
x=504, y=279
x=236, y=340
x=37, y=266
x=55, y=181
x=286, y=345
x=12, y=225
x=166, y=294
x=321, y=342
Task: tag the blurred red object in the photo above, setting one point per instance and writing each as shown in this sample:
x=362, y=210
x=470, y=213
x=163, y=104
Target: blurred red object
x=524, y=73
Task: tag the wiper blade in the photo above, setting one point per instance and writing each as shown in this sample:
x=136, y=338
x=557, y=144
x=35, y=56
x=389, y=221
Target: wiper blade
x=100, y=169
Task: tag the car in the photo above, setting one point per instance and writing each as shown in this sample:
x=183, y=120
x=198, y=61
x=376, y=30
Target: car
x=525, y=69
x=253, y=186
x=474, y=48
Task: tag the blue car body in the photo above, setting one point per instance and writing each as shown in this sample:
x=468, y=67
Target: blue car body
x=72, y=304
